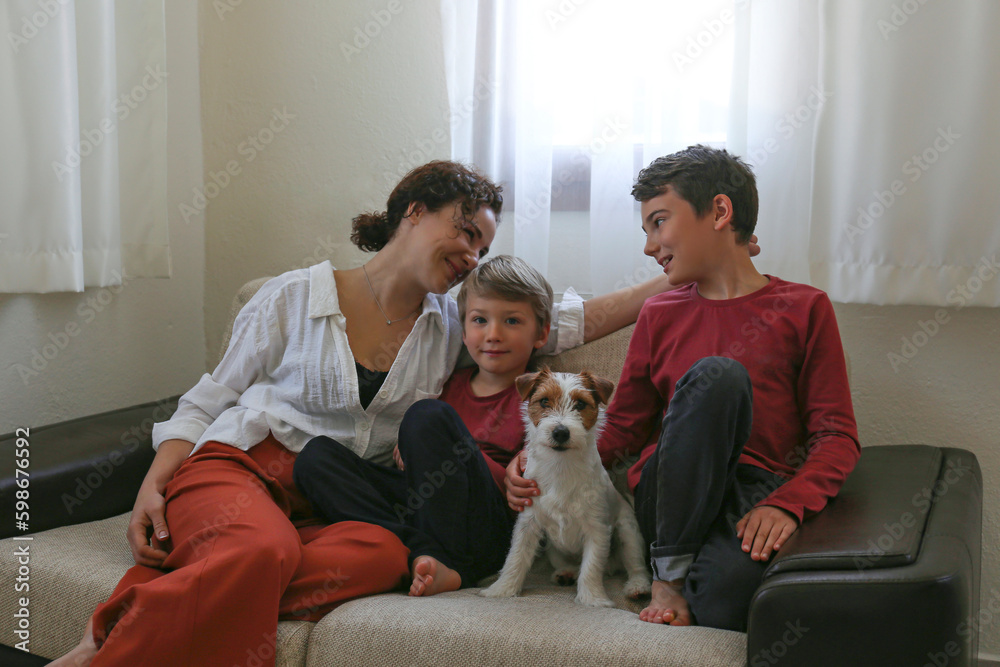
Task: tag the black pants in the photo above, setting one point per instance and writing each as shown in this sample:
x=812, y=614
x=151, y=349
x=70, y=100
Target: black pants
x=445, y=504
x=692, y=493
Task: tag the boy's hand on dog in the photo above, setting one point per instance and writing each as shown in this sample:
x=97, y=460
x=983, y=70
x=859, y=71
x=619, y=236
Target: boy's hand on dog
x=765, y=529
x=519, y=489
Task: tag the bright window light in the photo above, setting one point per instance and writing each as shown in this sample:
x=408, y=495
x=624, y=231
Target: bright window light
x=663, y=69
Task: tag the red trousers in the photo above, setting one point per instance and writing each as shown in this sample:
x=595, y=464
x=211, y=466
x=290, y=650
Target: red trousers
x=245, y=551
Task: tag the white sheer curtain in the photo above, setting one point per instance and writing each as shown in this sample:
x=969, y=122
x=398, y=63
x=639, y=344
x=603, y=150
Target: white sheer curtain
x=83, y=125
x=564, y=103
x=872, y=128
x=869, y=124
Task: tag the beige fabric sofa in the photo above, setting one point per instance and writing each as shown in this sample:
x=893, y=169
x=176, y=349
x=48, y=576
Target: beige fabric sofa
x=76, y=567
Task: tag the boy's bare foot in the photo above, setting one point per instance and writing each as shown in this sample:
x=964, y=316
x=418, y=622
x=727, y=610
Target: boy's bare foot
x=668, y=606
x=431, y=576
x=83, y=654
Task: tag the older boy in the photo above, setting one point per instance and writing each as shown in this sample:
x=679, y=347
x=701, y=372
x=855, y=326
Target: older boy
x=444, y=499
x=735, y=391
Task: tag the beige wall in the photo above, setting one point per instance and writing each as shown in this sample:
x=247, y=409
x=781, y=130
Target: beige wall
x=947, y=395
x=139, y=342
x=355, y=118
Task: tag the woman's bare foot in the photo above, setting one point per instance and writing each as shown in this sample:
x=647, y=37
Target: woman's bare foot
x=83, y=654
x=431, y=576
x=668, y=605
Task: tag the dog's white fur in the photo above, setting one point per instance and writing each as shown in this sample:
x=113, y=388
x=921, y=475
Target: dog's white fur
x=578, y=507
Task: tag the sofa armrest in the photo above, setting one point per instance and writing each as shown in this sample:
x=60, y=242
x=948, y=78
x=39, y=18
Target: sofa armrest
x=887, y=574
x=81, y=470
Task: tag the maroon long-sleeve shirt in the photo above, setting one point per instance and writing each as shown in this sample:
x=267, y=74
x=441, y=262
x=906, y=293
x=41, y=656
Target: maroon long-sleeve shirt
x=786, y=336
x=494, y=421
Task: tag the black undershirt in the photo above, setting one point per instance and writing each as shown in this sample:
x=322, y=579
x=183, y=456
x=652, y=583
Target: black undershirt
x=369, y=382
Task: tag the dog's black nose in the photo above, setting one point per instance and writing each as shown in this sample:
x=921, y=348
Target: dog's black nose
x=560, y=434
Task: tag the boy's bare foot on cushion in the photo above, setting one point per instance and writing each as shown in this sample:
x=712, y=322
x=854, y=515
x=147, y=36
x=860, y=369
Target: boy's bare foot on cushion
x=83, y=654
x=431, y=576
x=668, y=605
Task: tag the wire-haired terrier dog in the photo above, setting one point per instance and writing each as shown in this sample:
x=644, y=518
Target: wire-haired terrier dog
x=578, y=508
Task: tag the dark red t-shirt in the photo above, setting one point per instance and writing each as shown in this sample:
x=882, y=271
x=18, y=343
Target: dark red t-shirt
x=494, y=421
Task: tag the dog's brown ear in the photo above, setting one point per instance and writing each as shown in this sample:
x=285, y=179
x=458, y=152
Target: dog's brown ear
x=526, y=383
x=602, y=388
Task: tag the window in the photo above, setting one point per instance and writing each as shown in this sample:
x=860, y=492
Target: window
x=836, y=105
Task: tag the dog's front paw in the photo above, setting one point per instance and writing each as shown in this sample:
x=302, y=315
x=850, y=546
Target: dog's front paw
x=636, y=587
x=564, y=577
x=499, y=590
x=591, y=600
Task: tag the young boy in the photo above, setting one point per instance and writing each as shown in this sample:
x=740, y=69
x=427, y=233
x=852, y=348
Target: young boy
x=735, y=391
x=505, y=307
x=444, y=499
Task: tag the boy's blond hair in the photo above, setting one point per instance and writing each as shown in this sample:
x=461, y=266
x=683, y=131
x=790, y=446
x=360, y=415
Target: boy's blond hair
x=511, y=279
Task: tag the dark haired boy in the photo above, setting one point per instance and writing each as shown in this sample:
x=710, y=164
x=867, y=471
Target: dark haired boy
x=735, y=391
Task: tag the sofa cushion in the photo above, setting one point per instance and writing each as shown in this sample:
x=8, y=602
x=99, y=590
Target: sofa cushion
x=72, y=570
x=77, y=567
x=544, y=627
x=602, y=357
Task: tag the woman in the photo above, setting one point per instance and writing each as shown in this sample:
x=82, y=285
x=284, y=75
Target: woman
x=315, y=352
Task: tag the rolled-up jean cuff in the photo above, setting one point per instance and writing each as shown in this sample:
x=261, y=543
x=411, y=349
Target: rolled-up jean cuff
x=670, y=568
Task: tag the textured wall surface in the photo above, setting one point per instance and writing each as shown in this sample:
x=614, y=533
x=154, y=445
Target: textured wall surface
x=946, y=393
x=114, y=347
x=360, y=114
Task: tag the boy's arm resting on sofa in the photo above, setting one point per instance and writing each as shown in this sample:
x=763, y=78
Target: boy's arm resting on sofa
x=824, y=398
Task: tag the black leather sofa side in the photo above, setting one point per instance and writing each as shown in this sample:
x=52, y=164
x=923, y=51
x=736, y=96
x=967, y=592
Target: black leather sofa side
x=887, y=575
x=80, y=470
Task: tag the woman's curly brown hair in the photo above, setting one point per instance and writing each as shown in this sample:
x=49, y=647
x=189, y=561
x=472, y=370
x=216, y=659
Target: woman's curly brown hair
x=435, y=185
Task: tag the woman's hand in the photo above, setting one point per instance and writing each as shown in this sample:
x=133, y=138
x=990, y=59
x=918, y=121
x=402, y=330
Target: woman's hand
x=147, y=528
x=148, y=524
x=519, y=489
x=397, y=458
x=754, y=248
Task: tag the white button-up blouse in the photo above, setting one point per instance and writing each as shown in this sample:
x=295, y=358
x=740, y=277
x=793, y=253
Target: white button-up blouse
x=289, y=370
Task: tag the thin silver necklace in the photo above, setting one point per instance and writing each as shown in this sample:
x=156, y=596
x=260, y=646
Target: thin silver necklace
x=380, y=309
